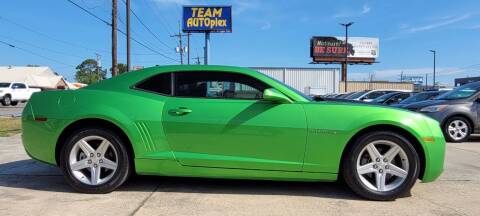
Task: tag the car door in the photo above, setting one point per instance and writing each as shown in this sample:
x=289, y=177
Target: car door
x=16, y=92
x=23, y=93
x=218, y=119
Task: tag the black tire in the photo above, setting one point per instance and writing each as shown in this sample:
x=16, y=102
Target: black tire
x=448, y=136
x=352, y=179
x=124, y=161
x=7, y=99
x=14, y=103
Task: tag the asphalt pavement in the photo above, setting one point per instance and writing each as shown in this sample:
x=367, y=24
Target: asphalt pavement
x=28, y=187
x=11, y=111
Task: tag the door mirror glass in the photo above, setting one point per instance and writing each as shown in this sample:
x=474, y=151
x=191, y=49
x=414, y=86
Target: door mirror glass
x=274, y=95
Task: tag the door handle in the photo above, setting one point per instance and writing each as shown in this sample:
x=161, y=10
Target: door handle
x=180, y=111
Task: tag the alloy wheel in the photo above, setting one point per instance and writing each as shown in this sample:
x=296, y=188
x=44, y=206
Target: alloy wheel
x=457, y=129
x=93, y=160
x=382, y=165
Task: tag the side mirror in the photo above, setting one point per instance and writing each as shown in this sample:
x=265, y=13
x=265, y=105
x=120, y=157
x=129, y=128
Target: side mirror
x=274, y=95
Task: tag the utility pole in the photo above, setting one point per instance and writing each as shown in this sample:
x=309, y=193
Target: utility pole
x=99, y=64
x=114, y=38
x=180, y=49
x=127, y=6
x=345, y=63
x=206, y=48
x=434, y=56
x=401, y=76
x=188, y=47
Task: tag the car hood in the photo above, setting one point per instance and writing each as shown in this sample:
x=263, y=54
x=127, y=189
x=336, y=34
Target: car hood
x=421, y=104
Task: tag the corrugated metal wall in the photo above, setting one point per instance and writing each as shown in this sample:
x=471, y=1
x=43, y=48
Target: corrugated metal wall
x=307, y=80
x=359, y=86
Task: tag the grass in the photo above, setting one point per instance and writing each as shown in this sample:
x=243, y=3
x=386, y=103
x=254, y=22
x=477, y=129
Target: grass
x=10, y=126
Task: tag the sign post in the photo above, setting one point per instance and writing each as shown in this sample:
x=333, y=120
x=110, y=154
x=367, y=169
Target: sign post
x=207, y=19
x=337, y=50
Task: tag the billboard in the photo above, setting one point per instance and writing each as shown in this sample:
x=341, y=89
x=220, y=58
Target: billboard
x=207, y=19
x=332, y=49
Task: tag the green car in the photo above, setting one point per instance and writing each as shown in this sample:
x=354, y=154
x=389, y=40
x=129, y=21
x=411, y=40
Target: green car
x=226, y=122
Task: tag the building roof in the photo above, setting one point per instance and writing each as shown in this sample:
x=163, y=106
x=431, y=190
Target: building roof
x=42, y=77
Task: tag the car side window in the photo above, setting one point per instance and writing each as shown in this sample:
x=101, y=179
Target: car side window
x=160, y=83
x=218, y=85
x=17, y=86
x=21, y=86
x=374, y=95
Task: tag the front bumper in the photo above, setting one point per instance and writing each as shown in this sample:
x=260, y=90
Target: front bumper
x=434, y=152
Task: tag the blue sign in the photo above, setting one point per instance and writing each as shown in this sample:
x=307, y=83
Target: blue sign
x=207, y=19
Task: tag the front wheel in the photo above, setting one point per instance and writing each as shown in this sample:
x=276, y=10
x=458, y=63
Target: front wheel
x=95, y=160
x=457, y=129
x=381, y=166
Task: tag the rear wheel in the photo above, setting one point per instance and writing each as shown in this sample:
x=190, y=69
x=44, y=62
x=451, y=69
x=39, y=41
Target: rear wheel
x=7, y=99
x=457, y=129
x=95, y=160
x=381, y=166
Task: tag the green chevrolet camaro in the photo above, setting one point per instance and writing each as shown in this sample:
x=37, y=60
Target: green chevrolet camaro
x=226, y=122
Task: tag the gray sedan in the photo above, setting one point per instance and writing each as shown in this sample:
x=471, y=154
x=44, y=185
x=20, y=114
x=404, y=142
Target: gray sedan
x=458, y=111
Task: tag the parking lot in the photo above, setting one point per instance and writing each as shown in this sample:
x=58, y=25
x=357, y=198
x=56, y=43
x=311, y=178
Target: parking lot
x=28, y=187
x=9, y=111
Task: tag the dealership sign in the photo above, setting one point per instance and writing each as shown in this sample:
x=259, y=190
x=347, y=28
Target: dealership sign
x=333, y=49
x=207, y=19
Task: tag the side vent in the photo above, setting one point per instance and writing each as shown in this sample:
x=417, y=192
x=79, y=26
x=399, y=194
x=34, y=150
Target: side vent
x=145, y=136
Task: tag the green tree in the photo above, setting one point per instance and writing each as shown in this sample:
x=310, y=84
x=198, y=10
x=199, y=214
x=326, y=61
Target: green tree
x=88, y=72
x=122, y=68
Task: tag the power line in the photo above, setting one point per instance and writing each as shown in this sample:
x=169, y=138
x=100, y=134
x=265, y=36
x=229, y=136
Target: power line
x=146, y=27
x=165, y=25
x=90, y=13
x=33, y=53
x=109, y=24
x=47, y=36
x=147, y=47
x=43, y=48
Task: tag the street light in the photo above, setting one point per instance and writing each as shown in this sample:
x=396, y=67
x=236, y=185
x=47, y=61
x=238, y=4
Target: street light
x=434, y=56
x=344, y=68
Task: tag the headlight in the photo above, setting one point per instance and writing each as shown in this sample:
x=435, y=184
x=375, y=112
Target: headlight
x=432, y=109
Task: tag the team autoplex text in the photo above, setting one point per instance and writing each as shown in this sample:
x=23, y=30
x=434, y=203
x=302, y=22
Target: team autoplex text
x=208, y=17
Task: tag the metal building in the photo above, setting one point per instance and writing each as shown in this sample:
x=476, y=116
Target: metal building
x=311, y=81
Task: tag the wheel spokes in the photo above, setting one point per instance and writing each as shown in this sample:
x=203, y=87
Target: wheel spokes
x=85, y=160
x=86, y=148
x=380, y=180
x=397, y=171
x=382, y=172
x=79, y=165
x=373, y=151
x=103, y=147
x=106, y=163
x=95, y=174
x=367, y=168
x=391, y=153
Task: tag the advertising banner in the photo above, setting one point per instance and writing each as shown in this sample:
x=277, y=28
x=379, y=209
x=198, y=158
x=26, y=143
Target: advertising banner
x=334, y=47
x=207, y=19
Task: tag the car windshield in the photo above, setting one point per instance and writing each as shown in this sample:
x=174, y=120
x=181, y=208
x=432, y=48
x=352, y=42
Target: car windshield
x=420, y=97
x=355, y=95
x=461, y=92
x=4, y=85
x=384, y=97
